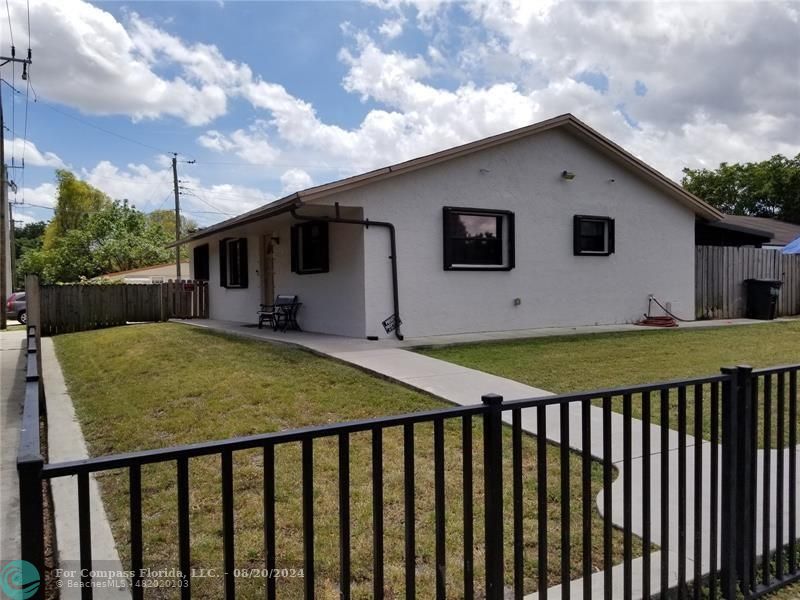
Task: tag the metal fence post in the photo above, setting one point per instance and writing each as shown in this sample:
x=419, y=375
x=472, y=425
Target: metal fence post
x=31, y=515
x=738, y=429
x=745, y=493
x=493, y=495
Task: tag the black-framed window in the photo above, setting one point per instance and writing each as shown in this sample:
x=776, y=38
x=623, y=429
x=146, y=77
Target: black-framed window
x=593, y=236
x=478, y=239
x=233, y=262
x=200, y=262
x=310, y=252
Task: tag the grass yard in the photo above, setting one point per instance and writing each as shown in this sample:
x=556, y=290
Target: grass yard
x=585, y=362
x=788, y=593
x=157, y=385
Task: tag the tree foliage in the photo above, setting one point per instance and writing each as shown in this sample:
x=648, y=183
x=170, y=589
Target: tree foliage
x=166, y=218
x=27, y=238
x=92, y=234
x=770, y=188
x=75, y=202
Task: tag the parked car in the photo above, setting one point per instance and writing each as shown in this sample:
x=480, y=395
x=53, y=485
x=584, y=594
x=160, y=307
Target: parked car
x=16, y=307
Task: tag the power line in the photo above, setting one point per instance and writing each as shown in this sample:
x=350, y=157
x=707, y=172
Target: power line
x=10, y=30
x=54, y=108
x=196, y=194
x=99, y=128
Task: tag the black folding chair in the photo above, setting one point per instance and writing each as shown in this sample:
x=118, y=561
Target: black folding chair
x=280, y=315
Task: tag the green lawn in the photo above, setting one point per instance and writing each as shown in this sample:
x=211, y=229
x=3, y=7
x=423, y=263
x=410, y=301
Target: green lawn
x=586, y=362
x=156, y=385
x=789, y=593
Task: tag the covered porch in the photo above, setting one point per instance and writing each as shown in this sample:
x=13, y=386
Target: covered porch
x=316, y=253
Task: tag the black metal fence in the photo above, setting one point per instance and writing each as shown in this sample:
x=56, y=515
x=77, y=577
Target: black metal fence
x=713, y=513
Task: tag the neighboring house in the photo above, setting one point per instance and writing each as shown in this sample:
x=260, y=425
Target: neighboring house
x=153, y=274
x=742, y=230
x=548, y=225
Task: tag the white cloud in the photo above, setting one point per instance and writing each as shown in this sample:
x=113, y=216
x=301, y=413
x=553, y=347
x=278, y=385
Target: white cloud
x=295, y=180
x=150, y=189
x=33, y=156
x=251, y=145
x=392, y=28
x=713, y=92
x=43, y=195
x=85, y=58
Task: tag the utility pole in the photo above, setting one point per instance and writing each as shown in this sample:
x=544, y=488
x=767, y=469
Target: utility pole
x=177, y=215
x=4, y=216
x=12, y=244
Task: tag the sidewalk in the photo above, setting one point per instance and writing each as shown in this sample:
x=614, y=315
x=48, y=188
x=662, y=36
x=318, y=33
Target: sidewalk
x=12, y=376
x=66, y=442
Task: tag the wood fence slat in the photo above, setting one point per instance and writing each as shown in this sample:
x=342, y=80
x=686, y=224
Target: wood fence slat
x=79, y=307
x=720, y=273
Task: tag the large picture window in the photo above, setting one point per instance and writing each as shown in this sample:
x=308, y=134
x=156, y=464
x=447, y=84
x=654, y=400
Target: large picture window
x=200, y=262
x=593, y=236
x=310, y=248
x=478, y=239
x=233, y=263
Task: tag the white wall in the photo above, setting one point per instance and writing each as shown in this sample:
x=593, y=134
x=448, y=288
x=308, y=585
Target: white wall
x=333, y=302
x=654, y=249
x=654, y=242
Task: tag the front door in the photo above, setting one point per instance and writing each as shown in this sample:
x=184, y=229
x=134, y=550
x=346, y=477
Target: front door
x=267, y=271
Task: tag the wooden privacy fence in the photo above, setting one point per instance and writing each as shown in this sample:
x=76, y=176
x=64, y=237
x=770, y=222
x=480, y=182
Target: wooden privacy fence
x=721, y=271
x=79, y=307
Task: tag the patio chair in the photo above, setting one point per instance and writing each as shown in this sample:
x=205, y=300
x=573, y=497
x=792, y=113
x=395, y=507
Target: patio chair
x=280, y=315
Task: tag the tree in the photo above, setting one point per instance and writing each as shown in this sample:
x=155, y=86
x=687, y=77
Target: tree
x=91, y=234
x=28, y=237
x=115, y=238
x=75, y=202
x=770, y=188
x=166, y=219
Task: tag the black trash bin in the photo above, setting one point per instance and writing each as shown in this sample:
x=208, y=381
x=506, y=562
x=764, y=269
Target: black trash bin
x=762, y=298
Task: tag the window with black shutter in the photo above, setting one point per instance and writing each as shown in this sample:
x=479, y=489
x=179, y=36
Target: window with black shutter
x=200, y=262
x=593, y=236
x=478, y=239
x=310, y=253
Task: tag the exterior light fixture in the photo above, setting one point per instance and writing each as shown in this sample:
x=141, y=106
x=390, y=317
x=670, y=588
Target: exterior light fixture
x=568, y=175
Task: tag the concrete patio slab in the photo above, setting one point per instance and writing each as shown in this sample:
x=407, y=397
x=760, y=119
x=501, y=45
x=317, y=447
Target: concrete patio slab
x=333, y=343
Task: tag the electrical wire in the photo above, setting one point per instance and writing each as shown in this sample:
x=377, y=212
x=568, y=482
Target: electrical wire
x=54, y=108
x=10, y=29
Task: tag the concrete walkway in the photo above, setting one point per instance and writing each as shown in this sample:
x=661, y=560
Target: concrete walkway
x=66, y=442
x=12, y=390
x=324, y=343
x=464, y=386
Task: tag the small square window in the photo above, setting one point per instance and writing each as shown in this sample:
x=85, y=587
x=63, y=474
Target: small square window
x=593, y=236
x=310, y=248
x=478, y=239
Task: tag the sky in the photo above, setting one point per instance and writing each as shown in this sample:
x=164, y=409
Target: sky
x=271, y=97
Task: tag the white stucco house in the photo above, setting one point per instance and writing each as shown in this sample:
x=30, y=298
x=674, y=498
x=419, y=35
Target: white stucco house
x=548, y=225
